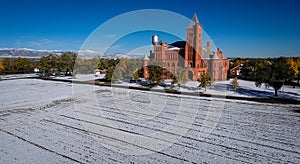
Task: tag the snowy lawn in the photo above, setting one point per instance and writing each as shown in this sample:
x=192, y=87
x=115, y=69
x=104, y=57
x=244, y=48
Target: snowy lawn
x=54, y=122
x=245, y=89
x=223, y=88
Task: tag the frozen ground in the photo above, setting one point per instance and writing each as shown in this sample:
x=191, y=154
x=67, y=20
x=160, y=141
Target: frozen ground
x=53, y=122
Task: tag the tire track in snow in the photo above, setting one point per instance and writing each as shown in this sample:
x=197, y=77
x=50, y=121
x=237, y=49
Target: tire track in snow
x=221, y=123
x=97, y=134
x=238, y=151
x=39, y=146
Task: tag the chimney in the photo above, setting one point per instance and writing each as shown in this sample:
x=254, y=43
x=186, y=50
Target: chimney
x=220, y=53
x=208, y=44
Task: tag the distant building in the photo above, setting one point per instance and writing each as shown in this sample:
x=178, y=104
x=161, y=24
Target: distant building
x=99, y=74
x=190, y=54
x=236, y=71
x=36, y=70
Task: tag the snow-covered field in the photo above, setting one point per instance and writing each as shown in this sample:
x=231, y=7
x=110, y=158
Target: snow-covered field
x=55, y=122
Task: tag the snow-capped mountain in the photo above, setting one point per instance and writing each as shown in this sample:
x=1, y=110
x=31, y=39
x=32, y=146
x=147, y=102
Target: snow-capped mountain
x=121, y=55
x=92, y=54
x=25, y=52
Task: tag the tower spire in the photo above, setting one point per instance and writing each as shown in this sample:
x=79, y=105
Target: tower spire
x=194, y=21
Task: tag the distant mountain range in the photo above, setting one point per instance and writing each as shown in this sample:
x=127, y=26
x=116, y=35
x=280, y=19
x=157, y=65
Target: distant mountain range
x=92, y=54
x=120, y=55
x=31, y=53
x=24, y=52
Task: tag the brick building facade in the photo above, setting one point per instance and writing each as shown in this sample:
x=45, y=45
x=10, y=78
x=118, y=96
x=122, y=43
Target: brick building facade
x=190, y=55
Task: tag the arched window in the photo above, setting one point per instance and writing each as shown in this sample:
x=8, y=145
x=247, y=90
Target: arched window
x=173, y=64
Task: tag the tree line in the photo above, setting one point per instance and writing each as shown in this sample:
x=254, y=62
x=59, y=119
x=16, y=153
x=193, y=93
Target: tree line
x=273, y=72
x=57, y=63
x=16, y=65
x=46, y=64
x=132, y=69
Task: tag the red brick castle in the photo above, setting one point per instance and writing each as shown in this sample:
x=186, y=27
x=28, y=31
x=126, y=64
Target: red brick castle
x=190, y=55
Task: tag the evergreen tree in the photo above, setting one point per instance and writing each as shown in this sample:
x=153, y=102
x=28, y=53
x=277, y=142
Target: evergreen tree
x=205, y=81
x=103, y=64
x=235, y=83
x=136, y=74
x=180, y=77
x=155, y=73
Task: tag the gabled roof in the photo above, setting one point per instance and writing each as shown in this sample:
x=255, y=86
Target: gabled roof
x=179, y=44
x=194, y=21
x=240, y=65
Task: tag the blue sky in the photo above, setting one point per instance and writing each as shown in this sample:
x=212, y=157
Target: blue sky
x=241, y=28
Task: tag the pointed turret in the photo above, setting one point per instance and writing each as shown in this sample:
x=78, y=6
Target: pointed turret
x=194, y=21
x=146, y=57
